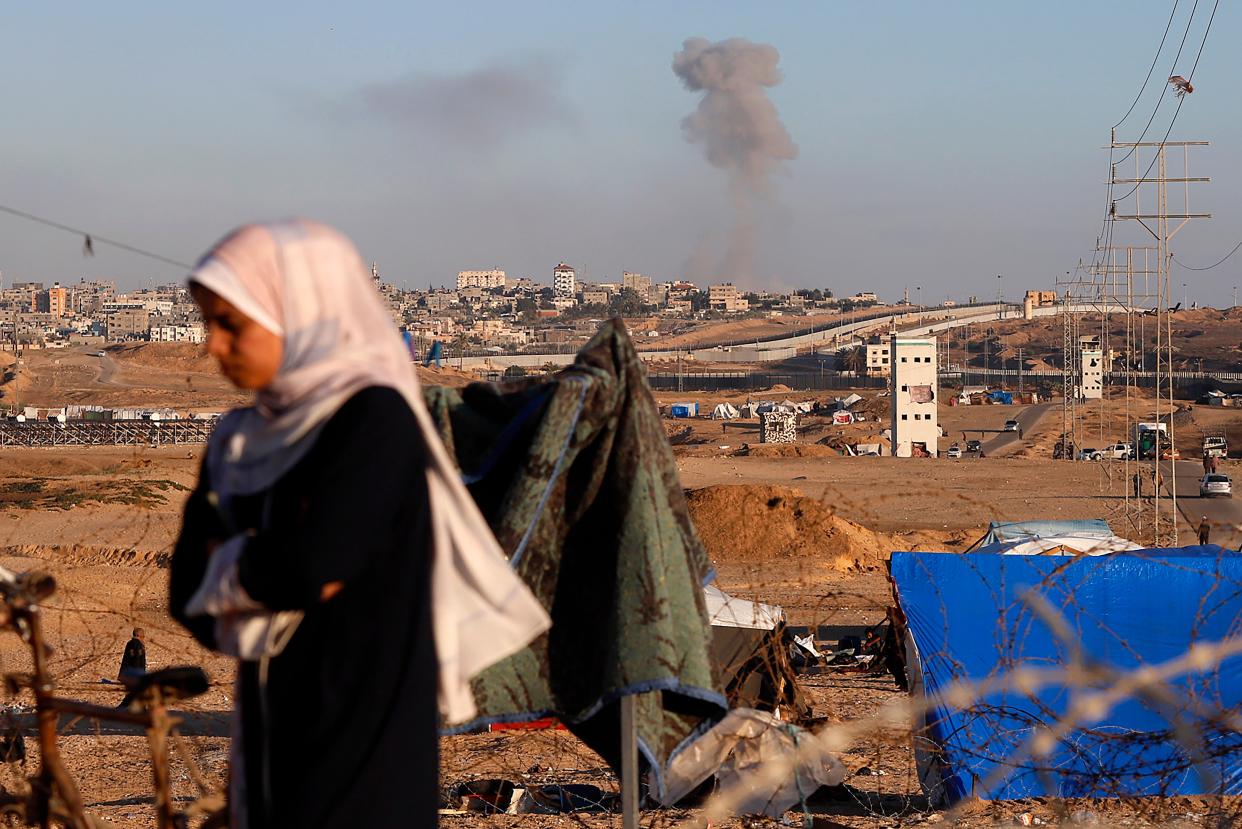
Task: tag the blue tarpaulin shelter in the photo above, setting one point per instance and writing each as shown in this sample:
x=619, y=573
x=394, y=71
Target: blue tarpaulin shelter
x=972, y=617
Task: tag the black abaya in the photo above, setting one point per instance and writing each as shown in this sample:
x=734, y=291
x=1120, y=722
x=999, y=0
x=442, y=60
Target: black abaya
x=341, y=730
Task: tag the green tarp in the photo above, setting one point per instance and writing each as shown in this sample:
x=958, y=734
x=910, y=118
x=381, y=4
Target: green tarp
x=574, y=473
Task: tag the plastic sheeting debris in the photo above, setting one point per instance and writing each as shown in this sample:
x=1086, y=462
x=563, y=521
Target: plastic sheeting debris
x=745, y=751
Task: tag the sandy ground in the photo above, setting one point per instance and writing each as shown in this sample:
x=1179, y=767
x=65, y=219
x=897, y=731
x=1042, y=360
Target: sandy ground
x=803, y=527
x=108, y=559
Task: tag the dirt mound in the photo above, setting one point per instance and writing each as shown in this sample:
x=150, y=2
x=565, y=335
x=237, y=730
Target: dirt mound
x=444, y=376
x=169, y=356
x=748, y=523
x=80, y=555
x=787, y=450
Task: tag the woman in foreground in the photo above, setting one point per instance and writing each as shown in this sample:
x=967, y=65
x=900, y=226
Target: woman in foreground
x=330, y=546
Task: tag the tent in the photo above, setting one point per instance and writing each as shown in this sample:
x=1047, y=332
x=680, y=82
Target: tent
x=1059, y=545
x=974, y=617
x=748, y=649
x=724, y=411
x=846, y=402
x=1024, y=530
x=1037, y=538
x=724, y=610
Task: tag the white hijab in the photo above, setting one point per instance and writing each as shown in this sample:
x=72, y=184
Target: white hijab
x=305, y=282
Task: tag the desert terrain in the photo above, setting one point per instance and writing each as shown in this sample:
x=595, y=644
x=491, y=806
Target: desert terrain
x=801, y=526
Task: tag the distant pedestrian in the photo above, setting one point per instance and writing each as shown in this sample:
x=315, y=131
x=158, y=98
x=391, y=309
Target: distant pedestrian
x=1207, y=464
x=1138, y=485
x=1205, y=530
x=134, y=659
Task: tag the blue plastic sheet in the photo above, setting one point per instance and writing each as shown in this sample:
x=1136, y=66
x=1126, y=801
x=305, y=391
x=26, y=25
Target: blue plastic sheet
x=972, y=617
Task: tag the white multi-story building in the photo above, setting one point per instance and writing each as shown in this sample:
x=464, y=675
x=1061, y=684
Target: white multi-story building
x=878, y=358
x=494, y=278
x=564, y=280
x=1091, y=378
x=913, y=387
x=186, y=333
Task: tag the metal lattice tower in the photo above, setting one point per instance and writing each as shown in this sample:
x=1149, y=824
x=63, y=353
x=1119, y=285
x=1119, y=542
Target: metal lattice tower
x=1162, y=225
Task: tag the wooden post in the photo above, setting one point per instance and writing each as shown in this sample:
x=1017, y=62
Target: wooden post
x=629, y=764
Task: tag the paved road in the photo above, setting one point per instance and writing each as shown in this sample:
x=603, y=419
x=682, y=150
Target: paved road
x=1027, y=418
x=1225, y=514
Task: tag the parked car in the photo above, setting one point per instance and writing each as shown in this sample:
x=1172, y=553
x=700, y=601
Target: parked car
x=974, y=446
x=1215, y=484
x=955, y=451
x=1089, y=454
x=1117, y=451
x=1170, y=455
x=1011, y=425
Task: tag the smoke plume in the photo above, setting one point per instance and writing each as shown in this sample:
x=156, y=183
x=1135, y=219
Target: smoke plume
x=479, y=109
x=739, y=129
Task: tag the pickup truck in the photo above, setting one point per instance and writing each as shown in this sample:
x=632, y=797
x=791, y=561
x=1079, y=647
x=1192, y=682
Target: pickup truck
x=1215, y=447
x=1117, y=451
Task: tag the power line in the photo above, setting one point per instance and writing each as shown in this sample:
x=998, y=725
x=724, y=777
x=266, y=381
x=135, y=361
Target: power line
x=1105, y=233
x=92, y=238
x=1151, y=68
x=1180, y=101
x=1165, y=88
x=1222, y=261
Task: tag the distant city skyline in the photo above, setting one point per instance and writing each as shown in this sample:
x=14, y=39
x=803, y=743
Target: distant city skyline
x=936, y=146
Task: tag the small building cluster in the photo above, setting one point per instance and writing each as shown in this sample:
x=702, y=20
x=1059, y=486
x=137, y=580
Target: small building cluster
x=32, y=314
x=486, y=310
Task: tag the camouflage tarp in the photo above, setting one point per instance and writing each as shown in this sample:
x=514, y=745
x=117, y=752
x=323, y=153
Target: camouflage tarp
x=577, y=480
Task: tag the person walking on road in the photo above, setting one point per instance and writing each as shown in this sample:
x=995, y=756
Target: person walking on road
x=1205, y=530
x=1138, y=485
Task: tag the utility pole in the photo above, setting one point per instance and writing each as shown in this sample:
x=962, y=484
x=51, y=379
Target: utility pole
x=1000, y=296
x=1158, y=223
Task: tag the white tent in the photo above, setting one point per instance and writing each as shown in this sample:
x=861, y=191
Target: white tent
x=1062, y=545
x=724, y=411
x=728, y=611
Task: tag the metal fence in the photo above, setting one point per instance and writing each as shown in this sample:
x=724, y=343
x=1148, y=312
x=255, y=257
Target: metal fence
x=115, y=433
x=829, y=380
